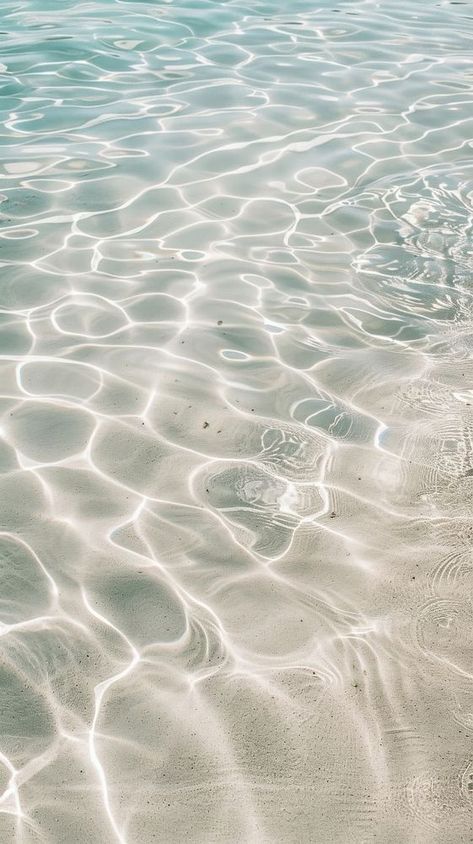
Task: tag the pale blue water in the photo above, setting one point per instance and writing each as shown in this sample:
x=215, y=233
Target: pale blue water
x=236, y=454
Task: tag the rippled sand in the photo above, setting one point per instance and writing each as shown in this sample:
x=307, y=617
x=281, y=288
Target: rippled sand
x=236, y=448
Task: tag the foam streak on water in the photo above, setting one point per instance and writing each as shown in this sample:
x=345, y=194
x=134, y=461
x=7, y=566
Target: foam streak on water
x=236, y=397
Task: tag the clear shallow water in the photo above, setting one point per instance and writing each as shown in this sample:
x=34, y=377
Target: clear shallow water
x=236, y=389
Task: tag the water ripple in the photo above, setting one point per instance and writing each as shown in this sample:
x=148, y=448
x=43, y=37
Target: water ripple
x=236, y=438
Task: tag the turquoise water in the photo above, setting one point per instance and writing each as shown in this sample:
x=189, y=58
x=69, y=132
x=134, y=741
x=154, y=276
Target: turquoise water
x=236, y=454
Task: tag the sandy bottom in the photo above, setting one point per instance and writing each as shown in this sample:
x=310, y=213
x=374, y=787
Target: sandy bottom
x=236, y=396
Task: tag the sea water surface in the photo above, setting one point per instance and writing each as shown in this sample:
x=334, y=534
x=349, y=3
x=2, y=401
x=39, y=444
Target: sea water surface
x=236, y=394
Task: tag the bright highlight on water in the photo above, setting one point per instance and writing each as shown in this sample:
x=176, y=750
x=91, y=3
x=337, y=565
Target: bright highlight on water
x=236, y=452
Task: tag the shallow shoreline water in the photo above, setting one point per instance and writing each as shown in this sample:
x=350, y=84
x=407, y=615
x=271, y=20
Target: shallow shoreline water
x=236, y=385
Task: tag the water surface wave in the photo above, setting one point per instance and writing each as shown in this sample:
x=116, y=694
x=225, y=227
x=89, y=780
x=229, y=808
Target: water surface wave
x=236, y=454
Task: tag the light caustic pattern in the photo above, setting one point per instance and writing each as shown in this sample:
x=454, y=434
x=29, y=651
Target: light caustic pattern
x=236, y=454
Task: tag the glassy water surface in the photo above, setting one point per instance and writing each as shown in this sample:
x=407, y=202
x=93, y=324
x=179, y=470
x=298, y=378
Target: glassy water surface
x=236, y=447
